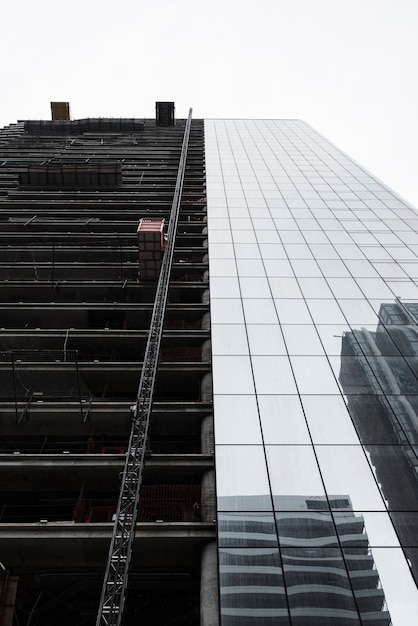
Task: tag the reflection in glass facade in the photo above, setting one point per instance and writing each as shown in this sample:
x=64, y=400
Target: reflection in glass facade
x=313, y=275
x=323, y=573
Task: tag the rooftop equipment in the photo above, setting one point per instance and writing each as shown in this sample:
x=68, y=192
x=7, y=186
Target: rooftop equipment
x=60, y=110
x=164, y=114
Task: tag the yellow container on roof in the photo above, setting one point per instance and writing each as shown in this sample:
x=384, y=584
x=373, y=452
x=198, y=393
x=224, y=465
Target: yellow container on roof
x=60, y=110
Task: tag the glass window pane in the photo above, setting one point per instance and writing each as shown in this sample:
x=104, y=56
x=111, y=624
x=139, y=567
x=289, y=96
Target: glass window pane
x=226, y=311
x=358, y=312
x=328, y=419
x=229, y=339
x=325, y=311
x=282, y=420
x=406, y=410
x=218, y=223
x=247, y=251
x=323, y=251
x=365, y=529
x=374, y=288
x=254, y=287
x=236, y=420
x=315, y=288
x=268, y=237
x=395, y=582
x=314, y=375
x=406, y=525
x=241, y=479
x=298, y=251
x=389, y=270
x=222, y=267
x=246, y=530
x=346, y=473
x=293, y=473
x=349, y=251
x=292, y=236
x=239, y=223
x=302, y=339
x=221, y=251
x=259, y=311
x=243, y=236
x=272, y=250
x=279, y=267
x=220, y=236
x=284, y=287
x=292, y=311
x=397, y=375
x=224, y=287
x=305, y=268
x=232, y=374
x=265, y=339
x=302, y=529
x=373, y=253
x=395, y=467
x=273, y=375
x=250, y=267
x=377, y=340
x=332, y=337
x=237, y=211
x=251, y=587
x=355, y=375
x=345, y=288
x=374, y=419
x=318, y=587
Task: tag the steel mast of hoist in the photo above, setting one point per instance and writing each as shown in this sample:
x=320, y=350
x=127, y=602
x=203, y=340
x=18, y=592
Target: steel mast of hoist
x=115, y=583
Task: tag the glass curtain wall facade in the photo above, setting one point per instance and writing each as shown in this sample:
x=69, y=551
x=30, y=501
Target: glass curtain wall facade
x=314, y=313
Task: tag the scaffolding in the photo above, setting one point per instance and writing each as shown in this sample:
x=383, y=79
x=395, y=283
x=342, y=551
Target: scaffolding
x=114, y=588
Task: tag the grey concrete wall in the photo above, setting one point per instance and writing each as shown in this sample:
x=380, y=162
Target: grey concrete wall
x=206, y=394
x=208, y=504
x=207, y=350
x=206, y=435
x=209, y=597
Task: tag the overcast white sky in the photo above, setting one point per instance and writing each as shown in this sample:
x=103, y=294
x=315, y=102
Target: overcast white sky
x=348, y=67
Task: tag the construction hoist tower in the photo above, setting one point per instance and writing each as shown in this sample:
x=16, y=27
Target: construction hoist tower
x=116, y=575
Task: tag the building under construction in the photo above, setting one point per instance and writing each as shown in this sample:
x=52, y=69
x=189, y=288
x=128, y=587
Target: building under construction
x=75, y=313
x=121, y=368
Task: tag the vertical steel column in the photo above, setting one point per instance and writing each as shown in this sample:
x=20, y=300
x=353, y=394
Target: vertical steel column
x=116, y=576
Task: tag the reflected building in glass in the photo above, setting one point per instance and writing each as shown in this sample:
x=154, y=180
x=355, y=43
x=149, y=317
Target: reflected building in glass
x=323, y=573
x=313, y=292
x=385, y=412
